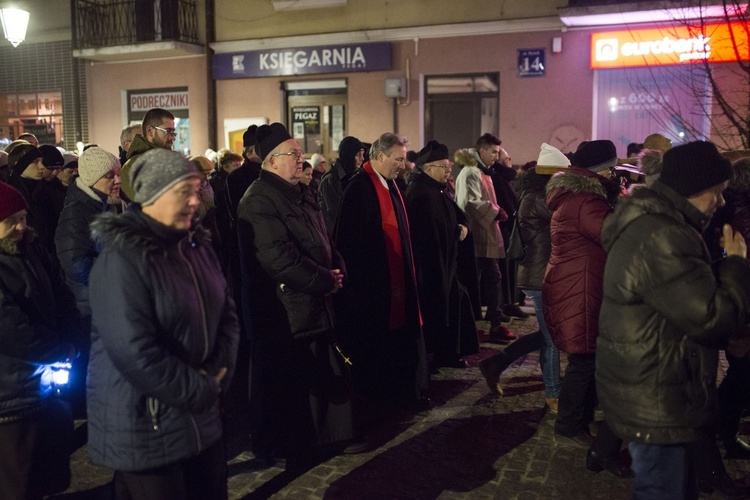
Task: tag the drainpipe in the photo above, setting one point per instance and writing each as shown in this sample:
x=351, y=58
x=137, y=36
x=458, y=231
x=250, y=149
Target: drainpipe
x=210, y=82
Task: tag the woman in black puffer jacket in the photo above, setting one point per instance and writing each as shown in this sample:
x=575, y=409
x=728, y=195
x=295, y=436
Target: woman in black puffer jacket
x=164, y=339
x=534, y=221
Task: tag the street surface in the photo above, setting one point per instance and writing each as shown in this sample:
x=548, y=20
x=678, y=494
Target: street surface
x=469, y=445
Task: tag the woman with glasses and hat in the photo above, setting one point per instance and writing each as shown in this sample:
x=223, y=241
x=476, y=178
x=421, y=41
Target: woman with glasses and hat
x=163, y=339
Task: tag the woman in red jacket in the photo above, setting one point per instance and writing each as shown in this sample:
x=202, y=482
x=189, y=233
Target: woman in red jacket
x=580, y=199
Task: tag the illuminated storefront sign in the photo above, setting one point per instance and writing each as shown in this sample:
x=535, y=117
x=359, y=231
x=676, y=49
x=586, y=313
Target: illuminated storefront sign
x=725, y=42
x=303, y=61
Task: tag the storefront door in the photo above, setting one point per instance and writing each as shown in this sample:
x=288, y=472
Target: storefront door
x=318, y=122
x=460, y=108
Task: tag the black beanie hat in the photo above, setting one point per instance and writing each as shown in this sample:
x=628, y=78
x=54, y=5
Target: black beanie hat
x=349, y=147
x=22, y=156
x=595, y=155
x=248, y=138
x=433, y=151
x=51, y=157
x=412, y=156
x=694, y=167
x=270, y=136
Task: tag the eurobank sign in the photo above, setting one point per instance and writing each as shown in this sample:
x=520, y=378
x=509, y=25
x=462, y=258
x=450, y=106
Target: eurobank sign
x=679, y=44
x=303, y=61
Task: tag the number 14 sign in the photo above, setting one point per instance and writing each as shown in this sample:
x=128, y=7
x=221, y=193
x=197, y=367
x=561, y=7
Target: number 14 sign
x=531, y=62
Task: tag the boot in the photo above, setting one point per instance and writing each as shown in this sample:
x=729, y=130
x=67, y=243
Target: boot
x=491, y=369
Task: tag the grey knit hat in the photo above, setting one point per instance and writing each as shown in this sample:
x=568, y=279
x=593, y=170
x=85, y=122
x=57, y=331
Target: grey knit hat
x=157, y=170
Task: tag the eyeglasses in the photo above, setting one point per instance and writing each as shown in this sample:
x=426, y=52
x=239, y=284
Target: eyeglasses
x=168, y=131
x=298, y=155
x=444, y=166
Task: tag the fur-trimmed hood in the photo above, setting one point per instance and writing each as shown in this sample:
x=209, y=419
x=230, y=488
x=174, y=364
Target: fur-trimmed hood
x=469, y=157
x=573, y=181
x=136, y=230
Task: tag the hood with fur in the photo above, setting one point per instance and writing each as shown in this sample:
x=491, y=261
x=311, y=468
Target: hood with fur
x=135, y=230
x=571, y=182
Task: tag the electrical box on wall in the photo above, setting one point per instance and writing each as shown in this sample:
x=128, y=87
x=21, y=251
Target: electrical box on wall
x=395, y=87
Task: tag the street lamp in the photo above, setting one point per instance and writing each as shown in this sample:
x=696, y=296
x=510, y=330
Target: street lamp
x=14, y=22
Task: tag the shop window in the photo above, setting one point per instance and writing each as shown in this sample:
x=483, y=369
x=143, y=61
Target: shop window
x=38, y=113
x=632, y=103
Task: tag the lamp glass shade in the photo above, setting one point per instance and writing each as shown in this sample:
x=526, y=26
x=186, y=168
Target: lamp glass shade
x=15, y=21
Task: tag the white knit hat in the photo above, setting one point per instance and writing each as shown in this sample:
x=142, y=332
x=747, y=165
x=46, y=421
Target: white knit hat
x=316, y=159
x=95, y=163
x=551, y=160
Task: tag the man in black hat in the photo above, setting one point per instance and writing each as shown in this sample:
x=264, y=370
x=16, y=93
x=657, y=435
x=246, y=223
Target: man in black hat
x=351, y=156
x=437, y=226
x=299, y=378
x=49, y=198
x=240, y=179
x=664, y=316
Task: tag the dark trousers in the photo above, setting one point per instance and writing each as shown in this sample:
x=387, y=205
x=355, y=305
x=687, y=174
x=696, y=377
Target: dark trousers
x=734, y=397
x=202, y=477
x=706, y=457
x=524, y=345
x=35, y=453
x=508, y=273
x=490, y=289
x=606, y=443
x=577, y=398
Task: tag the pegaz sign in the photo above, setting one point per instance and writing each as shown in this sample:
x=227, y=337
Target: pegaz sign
x=303, y=61
x=679, y=44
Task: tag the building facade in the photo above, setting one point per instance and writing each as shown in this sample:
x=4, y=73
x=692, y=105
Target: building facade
x=531, y=72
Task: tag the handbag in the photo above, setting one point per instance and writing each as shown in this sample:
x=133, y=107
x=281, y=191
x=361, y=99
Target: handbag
x=516, y=248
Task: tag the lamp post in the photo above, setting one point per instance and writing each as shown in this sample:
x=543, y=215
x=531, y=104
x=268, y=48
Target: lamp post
x=14, y=22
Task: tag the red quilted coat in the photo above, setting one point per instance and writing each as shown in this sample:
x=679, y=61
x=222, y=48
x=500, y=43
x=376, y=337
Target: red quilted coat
x=572, y=288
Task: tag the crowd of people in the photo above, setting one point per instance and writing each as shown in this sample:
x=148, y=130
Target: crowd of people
x=337, y=290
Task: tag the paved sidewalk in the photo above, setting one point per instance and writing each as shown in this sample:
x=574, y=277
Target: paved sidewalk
x=470, y=444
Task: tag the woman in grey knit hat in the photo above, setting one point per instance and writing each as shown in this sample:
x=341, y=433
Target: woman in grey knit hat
x=164, y=339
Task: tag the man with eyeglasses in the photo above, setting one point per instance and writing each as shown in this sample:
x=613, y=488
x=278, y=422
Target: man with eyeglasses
x=291, y=270
x=158, y=131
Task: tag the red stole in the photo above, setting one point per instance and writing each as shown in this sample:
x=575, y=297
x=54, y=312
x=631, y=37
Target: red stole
x=393, y=248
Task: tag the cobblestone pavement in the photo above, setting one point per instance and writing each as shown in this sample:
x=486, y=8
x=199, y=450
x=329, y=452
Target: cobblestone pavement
x=470, y=444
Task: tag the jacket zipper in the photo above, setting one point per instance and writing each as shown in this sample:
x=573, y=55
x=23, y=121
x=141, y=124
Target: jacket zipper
x=200, y=302
x=153, y=410
x=205, y=332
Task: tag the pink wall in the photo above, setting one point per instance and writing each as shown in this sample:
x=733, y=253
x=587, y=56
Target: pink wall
x=531, y=109
x=107, y=82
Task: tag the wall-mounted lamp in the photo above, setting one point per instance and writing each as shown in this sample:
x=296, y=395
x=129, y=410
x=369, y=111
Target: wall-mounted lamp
x=14, y=22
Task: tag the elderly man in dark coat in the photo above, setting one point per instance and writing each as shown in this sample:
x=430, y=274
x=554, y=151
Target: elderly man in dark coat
x=301, y=376
x=437, y=226
x=378, y=309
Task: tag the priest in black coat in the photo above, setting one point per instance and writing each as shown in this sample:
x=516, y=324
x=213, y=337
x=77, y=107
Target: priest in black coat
x=377, y=309
x=437, y=226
